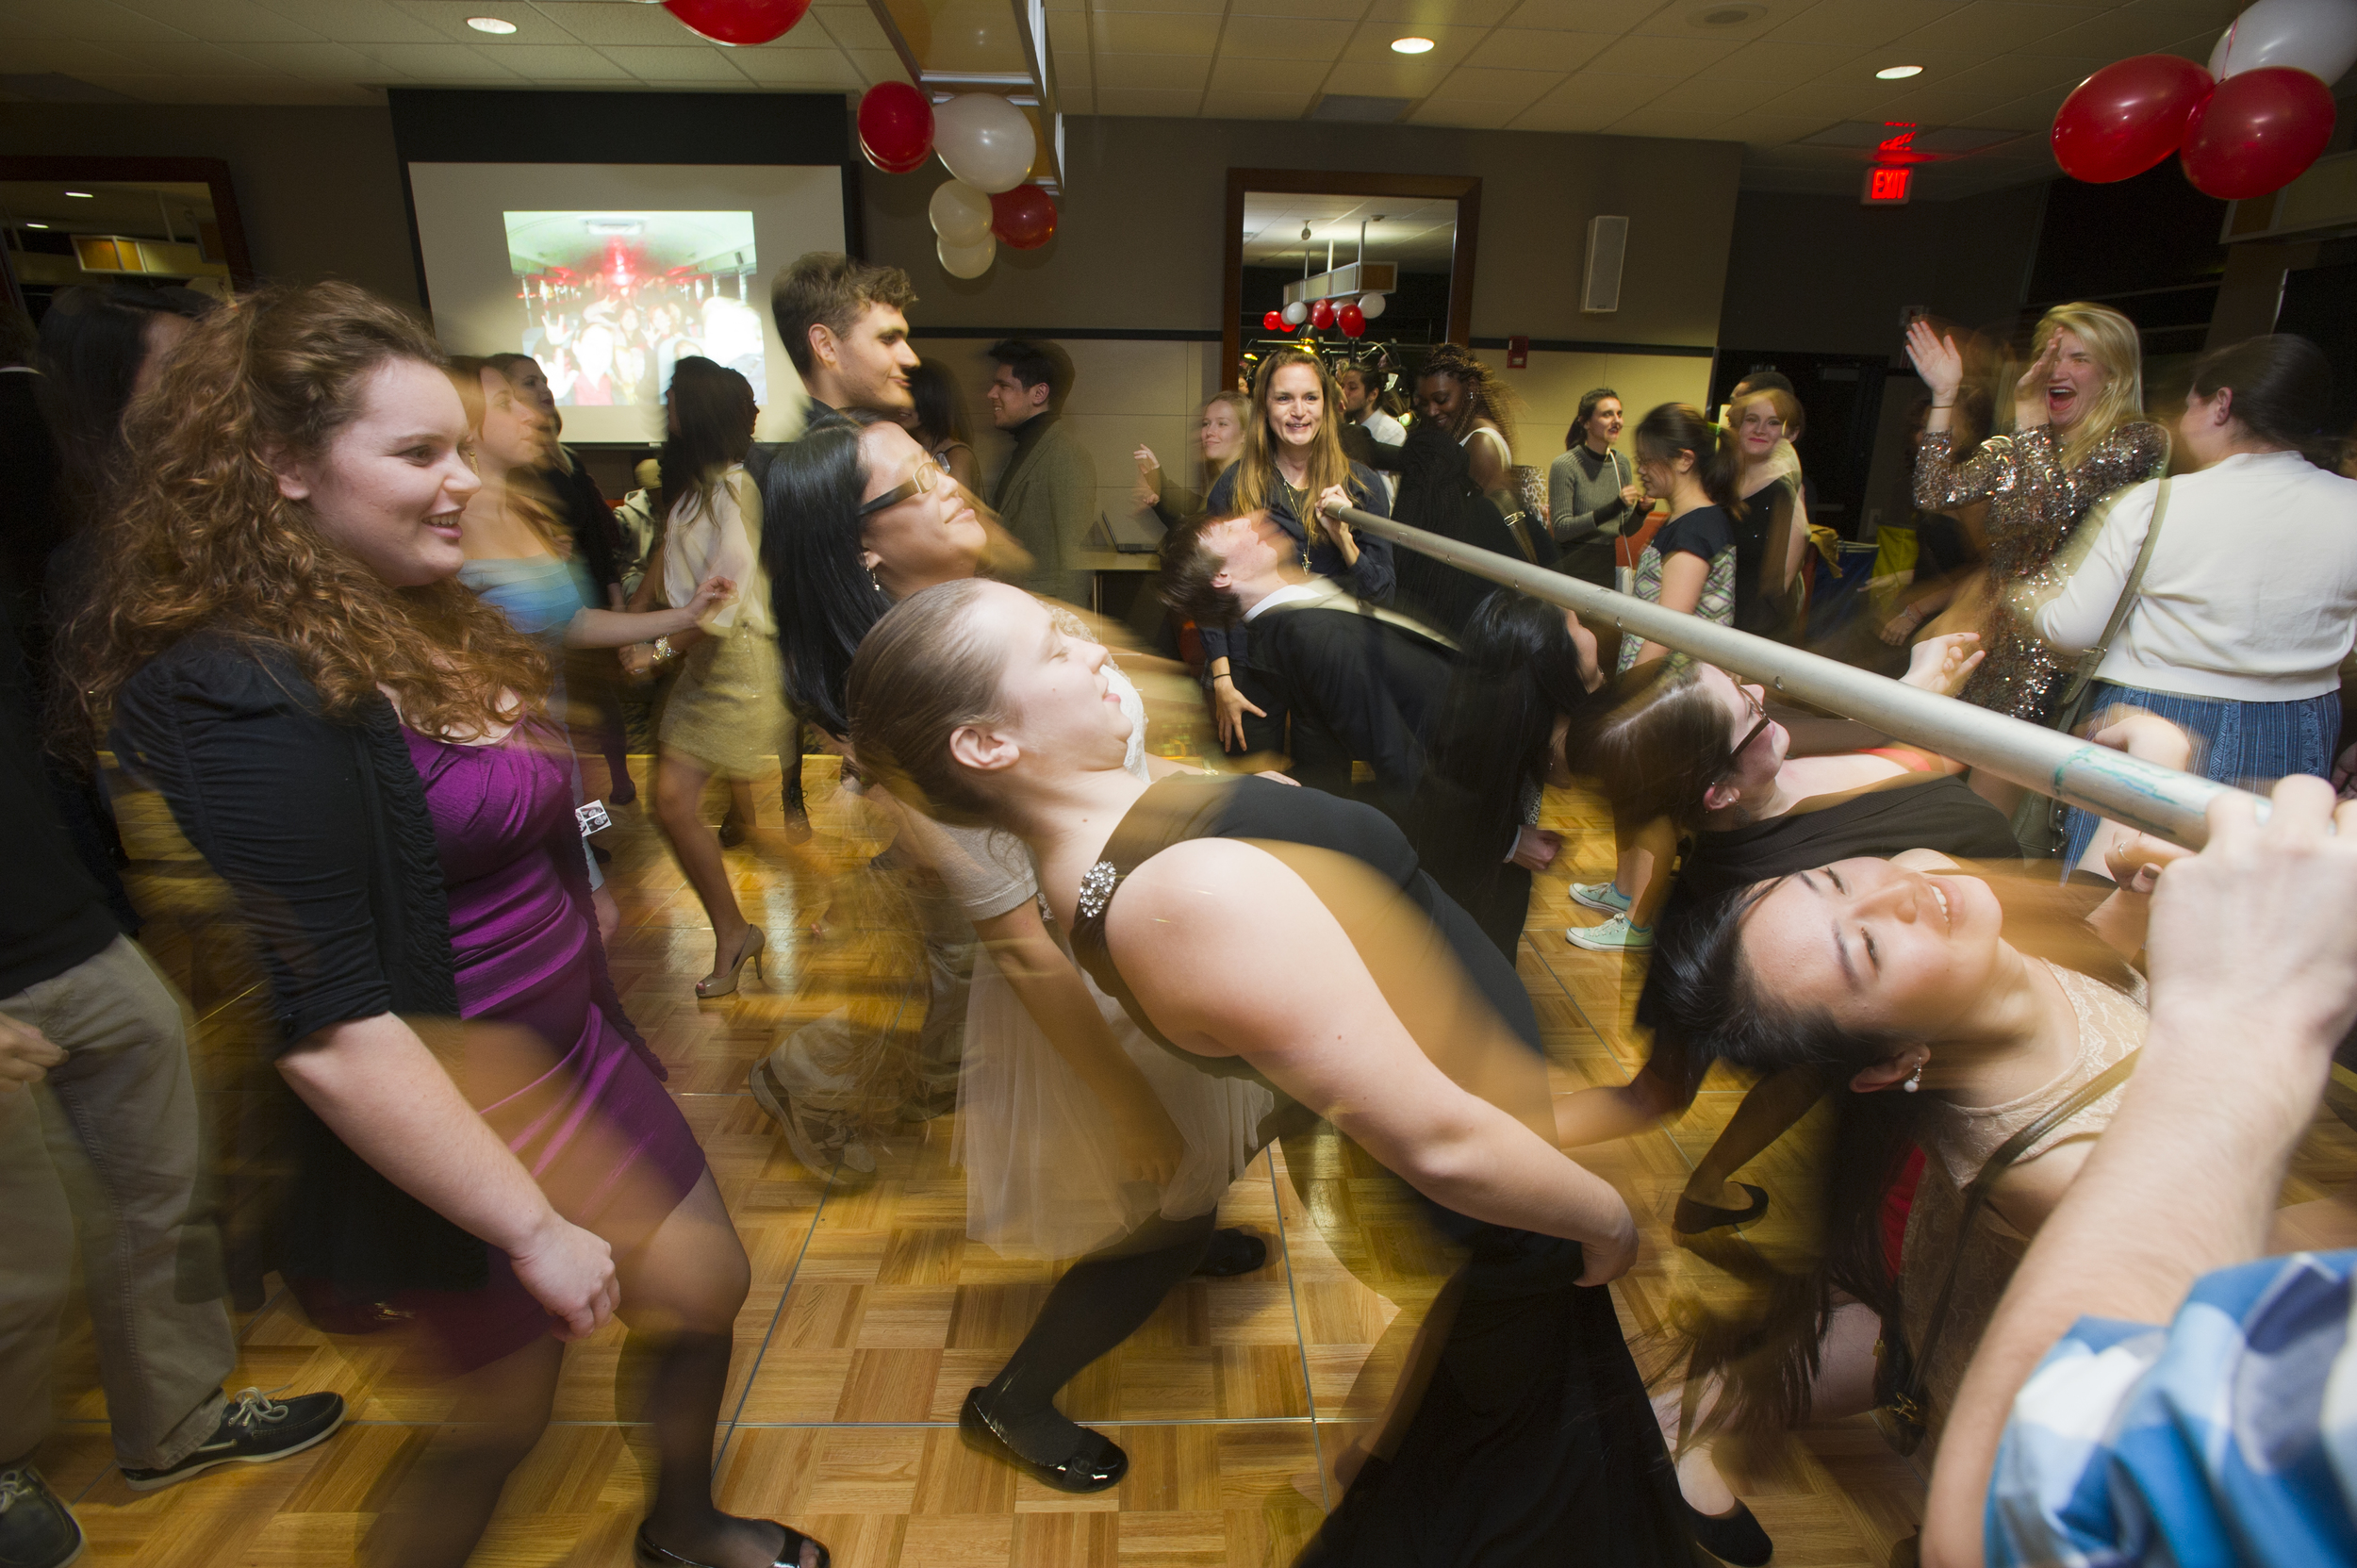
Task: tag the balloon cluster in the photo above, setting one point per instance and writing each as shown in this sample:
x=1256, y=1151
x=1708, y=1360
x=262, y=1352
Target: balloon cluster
x=2250, y=123
x=988, y=146
x=1351, y=316
x=740, y=23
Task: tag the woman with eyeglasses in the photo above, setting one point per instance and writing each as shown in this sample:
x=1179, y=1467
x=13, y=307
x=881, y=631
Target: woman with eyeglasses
x=1078, y=1136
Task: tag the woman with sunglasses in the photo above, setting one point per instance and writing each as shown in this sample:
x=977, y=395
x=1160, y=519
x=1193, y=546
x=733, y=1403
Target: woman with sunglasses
x=1078, y=1137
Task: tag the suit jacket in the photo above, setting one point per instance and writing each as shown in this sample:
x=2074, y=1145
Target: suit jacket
x=1047, y=500
x=1362, y=684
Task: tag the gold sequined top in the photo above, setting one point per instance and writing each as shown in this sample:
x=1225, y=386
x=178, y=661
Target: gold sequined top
x=2034, y=503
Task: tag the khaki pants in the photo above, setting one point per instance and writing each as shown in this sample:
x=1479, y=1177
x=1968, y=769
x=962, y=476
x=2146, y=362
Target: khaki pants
x=108, y=1146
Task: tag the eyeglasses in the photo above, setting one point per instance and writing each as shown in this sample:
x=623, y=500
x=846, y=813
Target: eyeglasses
x=1759, y=711
x=920, y=482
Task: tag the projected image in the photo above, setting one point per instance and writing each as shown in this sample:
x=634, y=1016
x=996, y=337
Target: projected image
x=612, y=300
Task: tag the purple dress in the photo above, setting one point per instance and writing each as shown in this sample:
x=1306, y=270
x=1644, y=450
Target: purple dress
x=575, y=1092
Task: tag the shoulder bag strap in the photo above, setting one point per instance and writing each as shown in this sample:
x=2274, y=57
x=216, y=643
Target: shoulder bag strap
x=1976, y=1198
x=2092, y=660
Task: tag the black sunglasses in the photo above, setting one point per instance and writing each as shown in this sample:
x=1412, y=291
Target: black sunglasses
x=919, y=483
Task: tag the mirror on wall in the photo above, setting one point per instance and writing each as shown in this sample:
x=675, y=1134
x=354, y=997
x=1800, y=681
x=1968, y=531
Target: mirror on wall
x=152, y=223
x=1363, y=266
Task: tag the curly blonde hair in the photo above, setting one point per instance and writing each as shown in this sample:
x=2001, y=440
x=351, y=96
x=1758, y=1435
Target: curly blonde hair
x=199, y=537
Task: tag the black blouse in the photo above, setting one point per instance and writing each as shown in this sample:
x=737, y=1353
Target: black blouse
x=322, y=831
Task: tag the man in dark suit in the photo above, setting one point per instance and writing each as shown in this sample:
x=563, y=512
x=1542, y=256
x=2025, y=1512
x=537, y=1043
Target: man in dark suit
x=1362, y=684
x=1047, y=494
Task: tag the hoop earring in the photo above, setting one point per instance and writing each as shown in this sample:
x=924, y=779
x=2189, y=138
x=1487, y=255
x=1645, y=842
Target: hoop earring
x=1915, y=1080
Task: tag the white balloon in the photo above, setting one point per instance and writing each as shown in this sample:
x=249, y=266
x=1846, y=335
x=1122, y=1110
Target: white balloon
x=2316, y=36
x=961, y=214
x=984, y=140
x=1297, y=313
x=1369, y=305
x=968, y=261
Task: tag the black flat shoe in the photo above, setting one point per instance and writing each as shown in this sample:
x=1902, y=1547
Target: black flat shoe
x=1734, y=1537
x=789, y=1556
x=1233, y=1251
x=1692, y=1218
x=1094, y=1462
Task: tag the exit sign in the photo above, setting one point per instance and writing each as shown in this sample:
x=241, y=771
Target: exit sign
x=1886, y=186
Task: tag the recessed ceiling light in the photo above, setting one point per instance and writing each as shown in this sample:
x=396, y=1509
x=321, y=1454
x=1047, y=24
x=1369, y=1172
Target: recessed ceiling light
x=36, y=225
x=490, y=24
x=1411, y=46
x=1898, y=72
x=84, y=194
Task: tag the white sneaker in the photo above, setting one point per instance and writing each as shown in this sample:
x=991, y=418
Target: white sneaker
x=1614, y=935
x=1600, y=894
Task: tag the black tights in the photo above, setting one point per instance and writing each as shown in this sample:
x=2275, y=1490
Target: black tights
x=1100, y=1301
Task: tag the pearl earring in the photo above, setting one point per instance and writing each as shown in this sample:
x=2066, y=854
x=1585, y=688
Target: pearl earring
x=1915, y=1080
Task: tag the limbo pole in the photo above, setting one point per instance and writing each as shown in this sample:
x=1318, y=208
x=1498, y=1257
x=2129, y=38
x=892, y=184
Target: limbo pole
x=2158, y=799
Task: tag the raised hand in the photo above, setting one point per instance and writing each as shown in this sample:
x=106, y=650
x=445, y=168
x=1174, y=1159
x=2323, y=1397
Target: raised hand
x=2028, y=393
x=1936, y=360
x=1943, y=664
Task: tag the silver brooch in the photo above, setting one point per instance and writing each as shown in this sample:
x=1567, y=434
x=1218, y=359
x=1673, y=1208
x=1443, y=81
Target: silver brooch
x=1097, y=889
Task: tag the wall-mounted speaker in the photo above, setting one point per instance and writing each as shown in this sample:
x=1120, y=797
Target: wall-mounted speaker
x=1608, y=247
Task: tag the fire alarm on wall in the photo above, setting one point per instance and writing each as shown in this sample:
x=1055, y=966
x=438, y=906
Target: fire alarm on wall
x=1517, y=354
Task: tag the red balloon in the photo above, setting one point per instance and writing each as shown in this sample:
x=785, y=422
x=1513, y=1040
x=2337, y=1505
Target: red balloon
x=2259, y=131
x=1025, y=218
x=2128, y=117
x=1352, y=320
x=738, y=21
x=896, y=126
x=1273, y=321
x=1322, y=314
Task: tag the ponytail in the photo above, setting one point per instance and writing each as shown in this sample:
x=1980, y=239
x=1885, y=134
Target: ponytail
x=1675, y=427
x=2283, y=390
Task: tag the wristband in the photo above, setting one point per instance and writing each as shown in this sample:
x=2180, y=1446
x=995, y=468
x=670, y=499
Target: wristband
x=1217, y=679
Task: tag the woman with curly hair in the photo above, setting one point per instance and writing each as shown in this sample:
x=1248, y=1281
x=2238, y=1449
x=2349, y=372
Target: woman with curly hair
x=1461, y=395
x=355, y=743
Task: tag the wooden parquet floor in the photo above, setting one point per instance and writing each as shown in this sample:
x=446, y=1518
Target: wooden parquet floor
x=871, y=1312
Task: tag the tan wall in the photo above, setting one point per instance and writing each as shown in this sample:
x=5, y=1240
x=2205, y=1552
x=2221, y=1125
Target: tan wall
x=1548, y=392
x=1142, y=243
x=319, y=189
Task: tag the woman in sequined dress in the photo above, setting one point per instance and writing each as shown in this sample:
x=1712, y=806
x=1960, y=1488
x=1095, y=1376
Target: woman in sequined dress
x=2078, y=435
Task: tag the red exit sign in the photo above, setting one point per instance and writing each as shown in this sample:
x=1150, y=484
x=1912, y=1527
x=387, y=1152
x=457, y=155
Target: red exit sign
x=1886, y=186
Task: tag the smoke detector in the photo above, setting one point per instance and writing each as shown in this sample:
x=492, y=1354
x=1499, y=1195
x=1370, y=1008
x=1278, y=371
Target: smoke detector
x=1726, y=13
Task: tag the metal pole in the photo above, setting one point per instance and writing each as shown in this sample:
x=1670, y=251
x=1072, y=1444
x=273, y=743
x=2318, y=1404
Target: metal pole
x=2158, y=799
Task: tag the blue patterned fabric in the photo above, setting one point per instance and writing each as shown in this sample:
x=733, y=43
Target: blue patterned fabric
x=2228, y=1437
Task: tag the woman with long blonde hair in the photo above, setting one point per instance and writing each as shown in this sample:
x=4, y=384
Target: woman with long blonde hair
x=355, y=743
x=1292, y=462
x=2078, y=435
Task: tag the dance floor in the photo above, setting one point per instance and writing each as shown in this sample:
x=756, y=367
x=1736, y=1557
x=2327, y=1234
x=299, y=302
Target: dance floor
x=871, y=1314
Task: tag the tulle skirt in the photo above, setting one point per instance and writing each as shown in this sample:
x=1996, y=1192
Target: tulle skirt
x=1042, y=1155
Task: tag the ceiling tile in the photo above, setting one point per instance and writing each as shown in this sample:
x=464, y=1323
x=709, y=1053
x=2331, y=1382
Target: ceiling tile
x=1830, y=101
x=182, y=58
x=819, y=69
x=91, y=20
x=1591, y=100
x=315, y=61
x=1322, y=10
x=1162, y=102
x=1765, y=130
x=224, y=21
x=2115, y=34
x=1383, y=79
x=552, y=62
x=69, y=56
x=1638, y=56
x=1372, y=45
x=1572, y=16
x=1479, y=114
x=1157, y=33
x=1518, y=89
x=2010, y=75
x=1516, y=48
x=1862, y=23
x=442, y=62
x=854, y=26
x=1068, y=32
x=878, y=65
x=654, y=63
x=1988, y=27
x=1122, y=72
x=1701, y=100
x=352, y=21
x=1441, y=13
x=1105, y=7
x=1271, y=37
x=1235, y=105
x=1934, y=106
x=1653, y=120
x=235, y=89
x=1231, y=74
x=603, y=24
x=1770, y=61
x=448, y=18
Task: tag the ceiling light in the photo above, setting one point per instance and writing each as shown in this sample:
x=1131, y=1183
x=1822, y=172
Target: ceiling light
x=1898, y=72
x=36, y=225
x=84, y=194
x=1411, y=46
x=490, y=24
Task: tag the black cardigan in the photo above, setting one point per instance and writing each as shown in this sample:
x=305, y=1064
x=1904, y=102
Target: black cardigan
x=322, y=831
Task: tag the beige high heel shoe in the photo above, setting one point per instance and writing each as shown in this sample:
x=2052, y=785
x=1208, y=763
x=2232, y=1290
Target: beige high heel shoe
x=724, y=984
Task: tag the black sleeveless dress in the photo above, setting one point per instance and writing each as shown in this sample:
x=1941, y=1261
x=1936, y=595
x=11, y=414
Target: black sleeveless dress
x=1534, y=1443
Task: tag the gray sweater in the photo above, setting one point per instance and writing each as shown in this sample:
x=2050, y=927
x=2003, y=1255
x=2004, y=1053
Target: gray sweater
x=1583, y=493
